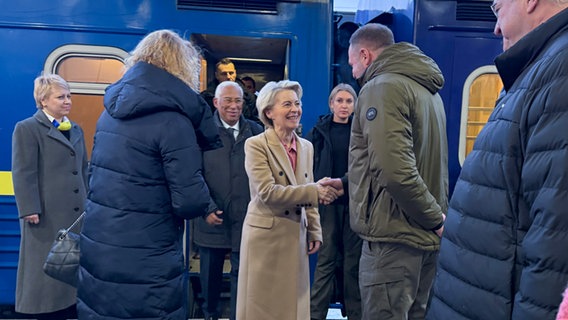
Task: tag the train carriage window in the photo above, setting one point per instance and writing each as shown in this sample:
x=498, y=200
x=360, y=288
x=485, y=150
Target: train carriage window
x=88, y=70
x=480, y=92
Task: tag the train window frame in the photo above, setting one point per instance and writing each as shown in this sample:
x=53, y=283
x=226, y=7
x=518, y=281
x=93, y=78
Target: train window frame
x=57, y=56
x=474, y=75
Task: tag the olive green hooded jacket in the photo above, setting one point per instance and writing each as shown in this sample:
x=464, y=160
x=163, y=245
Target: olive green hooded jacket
x=398, y=163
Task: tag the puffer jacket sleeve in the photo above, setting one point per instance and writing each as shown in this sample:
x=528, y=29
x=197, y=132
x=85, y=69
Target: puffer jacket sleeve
x=205, y=128
x=182, y=159
x=544, y=179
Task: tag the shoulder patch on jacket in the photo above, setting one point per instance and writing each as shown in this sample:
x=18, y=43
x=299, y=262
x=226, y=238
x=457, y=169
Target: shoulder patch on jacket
x=371, y=114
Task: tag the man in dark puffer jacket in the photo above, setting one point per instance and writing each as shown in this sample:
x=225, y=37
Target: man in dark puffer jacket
x=503, y=253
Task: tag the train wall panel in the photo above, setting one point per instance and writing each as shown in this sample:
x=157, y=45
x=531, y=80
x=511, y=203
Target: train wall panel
x=458, y=47
x=40, y=27
x=30, y=30
x=9, y=247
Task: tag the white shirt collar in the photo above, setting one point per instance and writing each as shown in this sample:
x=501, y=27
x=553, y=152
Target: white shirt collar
x=226, y=125
x=64, y=117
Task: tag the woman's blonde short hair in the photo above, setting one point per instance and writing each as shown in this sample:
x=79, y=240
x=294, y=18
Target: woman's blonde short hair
x=165, y=49
x=44, y=84
x=342, y=87
x=265, y=99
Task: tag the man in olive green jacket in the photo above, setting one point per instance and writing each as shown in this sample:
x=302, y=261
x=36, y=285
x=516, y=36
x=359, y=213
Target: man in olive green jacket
x=398, y=172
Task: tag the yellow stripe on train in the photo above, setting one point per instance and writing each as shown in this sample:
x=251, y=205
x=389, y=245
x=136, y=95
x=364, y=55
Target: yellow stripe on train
x=6, y=186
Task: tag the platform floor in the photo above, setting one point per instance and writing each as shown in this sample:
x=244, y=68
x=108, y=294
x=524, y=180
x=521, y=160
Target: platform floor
x=332, y=314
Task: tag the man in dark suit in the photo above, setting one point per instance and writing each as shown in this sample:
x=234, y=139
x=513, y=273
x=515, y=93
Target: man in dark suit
x=219, y=232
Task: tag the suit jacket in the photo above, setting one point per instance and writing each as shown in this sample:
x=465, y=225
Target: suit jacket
x=225, y=175
x=281, y=218
x=49, y=174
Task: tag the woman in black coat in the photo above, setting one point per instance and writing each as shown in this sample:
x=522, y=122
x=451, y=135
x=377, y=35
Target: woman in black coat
x=338, y=258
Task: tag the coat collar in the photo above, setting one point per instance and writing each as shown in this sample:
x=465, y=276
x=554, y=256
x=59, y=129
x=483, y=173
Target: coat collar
x=281, y=155
x=243, y=125
x=74, y=134
x=513, y=62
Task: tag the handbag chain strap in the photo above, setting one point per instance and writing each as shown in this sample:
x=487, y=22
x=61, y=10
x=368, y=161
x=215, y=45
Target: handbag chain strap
x=64, y=232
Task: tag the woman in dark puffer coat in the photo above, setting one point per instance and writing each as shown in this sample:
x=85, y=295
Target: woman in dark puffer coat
x=145, y=180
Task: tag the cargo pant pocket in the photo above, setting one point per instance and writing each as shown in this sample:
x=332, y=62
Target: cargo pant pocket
x=381, y=292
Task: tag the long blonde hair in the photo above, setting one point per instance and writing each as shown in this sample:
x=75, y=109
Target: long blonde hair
x=165, y=49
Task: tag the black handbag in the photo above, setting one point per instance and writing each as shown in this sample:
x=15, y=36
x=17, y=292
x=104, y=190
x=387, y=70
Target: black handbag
x=62, y=262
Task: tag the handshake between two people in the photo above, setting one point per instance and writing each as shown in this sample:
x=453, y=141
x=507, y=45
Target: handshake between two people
x=329, y=189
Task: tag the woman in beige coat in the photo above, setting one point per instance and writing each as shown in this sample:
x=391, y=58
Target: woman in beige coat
x=282, y=225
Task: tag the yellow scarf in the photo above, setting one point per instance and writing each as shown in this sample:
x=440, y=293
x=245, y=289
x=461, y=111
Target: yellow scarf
x=63, y=126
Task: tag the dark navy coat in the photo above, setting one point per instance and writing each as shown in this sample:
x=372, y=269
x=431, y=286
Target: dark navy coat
x=224, y=172
x=145, y=180
x=504, y=251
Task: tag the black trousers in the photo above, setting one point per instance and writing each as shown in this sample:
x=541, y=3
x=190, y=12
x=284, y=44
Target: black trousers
x=338, y=263
x=211, y=277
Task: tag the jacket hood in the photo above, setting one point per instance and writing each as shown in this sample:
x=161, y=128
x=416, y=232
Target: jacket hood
x=324, y=118
x=145, y=89
x=406, y=59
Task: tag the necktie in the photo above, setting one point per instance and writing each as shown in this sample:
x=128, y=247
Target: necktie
x=231, y=132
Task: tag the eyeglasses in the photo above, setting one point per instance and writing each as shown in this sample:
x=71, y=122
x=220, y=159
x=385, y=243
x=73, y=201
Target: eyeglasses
x=494, y=9
x=231, y=100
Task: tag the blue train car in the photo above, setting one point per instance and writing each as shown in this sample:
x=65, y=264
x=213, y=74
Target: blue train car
x=87, y=41
x=458, y=34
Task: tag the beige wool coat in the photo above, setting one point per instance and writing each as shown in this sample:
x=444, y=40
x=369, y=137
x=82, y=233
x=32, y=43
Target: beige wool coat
x=282, y=217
